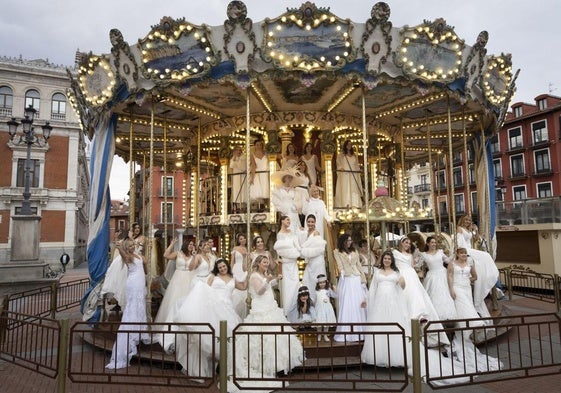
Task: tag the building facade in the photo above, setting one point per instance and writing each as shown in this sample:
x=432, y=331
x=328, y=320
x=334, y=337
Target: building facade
x=59, y=170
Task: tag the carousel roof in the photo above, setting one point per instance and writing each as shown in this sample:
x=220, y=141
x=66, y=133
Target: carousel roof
x=306, y=69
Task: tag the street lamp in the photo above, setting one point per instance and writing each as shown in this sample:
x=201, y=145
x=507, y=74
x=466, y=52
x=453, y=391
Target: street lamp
x=28, y=138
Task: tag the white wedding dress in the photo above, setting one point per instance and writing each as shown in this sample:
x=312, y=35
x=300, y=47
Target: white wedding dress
x=239, y=296
x=436, y=284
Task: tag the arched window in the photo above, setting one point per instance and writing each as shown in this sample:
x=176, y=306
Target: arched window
x=32, y=98
x=58, y=106
x=6, y=101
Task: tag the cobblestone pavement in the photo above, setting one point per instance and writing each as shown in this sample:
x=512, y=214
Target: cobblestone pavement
x=16, y=379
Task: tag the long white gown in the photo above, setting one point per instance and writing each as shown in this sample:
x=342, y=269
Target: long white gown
x=260, y=187
x=465, y=308
x=125, y=346
x=351, y=293
x=487, y=272
x=417, y=299
x=239, y=179
x=436, y=284
x=178, y=287
x=313, y=249
x=288, y=249
x=312, y=170
x=265, y=355
x=239, y=296
x=348, y=191
x=387, y=303
x=204, y=304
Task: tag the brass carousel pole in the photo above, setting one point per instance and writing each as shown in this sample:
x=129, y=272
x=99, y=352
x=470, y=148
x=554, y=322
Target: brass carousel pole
x=365, y=168
x=247, y=166
x=452, y=204
x=197, y=184
x=132, y=180
x=165, y=186
x=402, y=182
x=466, y=166
x=150, y=245
x=432, y=181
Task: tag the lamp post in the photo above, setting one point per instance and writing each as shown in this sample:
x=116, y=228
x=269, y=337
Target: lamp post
x=28, y=138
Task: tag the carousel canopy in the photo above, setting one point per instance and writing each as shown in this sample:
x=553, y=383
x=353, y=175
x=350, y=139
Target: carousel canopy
x=306, y=69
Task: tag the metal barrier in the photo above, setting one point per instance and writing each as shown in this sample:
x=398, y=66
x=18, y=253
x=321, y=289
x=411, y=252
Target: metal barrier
x=532, y=348
x=527, y=283
x=48, y=300
x=193, y=361
x=32, y=343
x=332, y=366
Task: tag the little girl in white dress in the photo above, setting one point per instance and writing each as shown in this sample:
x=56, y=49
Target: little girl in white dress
x=324, y=309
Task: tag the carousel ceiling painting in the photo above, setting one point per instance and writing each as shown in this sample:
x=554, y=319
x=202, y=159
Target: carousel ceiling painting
x=304, y=69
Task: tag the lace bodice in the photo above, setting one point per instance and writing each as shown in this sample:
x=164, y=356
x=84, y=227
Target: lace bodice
x=182, y=261
x=237, y=269
x=223, y=289
x=462, y=275
x=383, y=280
x=434, y=261
x=261, y=302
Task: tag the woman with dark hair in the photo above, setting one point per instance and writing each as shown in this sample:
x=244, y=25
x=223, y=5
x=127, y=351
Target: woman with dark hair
x=386, y=304
x=290, y=158
x=288, y=248
x=351, y=289
x=418, y=301
x=313, y=249
x=208, y=302
x=348, y=191
x=312, y=163
x=180, y=283
x=239, y=269
x=435, y=281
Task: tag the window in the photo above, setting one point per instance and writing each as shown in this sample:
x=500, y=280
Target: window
x=517, y=165
x=6, y=97
x=34, y=172
x=121, y=224
x=459, y=204
x=58, y=106
x=474, y=207
x=515, y=138
x=539, y=132
x=544, y=190
x=542, y=104
x=424, y=179
x=519, y=193
x=471, y=170
x=32, y=98
x=495, y=148
x=541, y=158
x=425, y=203
x=167, y=185
x=167, y=212
x=443, y=207
x=517, y=111
x=457, y=172
x=441, y=179
x=497, y=170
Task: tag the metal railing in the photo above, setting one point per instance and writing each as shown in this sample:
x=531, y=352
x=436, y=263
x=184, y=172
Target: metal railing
x=531, y=347
x=529, y=211
x=48, y=300
x=527, y=283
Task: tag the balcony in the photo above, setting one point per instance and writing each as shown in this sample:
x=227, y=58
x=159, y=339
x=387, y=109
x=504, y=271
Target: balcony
x=421, y=188
x=540, y=144
x=58, y=116
x=5, y=112
x=529, y=211
x=518, y=148
x=172, y=193
x=517, y=176
x=542, y=172
x=172, y=219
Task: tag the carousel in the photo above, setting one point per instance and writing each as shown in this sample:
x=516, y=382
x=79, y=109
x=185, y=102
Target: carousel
x=368, y=99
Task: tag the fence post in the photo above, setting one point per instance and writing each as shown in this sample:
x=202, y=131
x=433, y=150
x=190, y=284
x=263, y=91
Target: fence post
x=223, y=361
x=62, y=356
x=54, y=298
x=416, y=355
x=509, y=282
x=556, y=289
x=4, y=318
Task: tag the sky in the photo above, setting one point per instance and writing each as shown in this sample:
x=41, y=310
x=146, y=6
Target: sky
x=55, y=29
